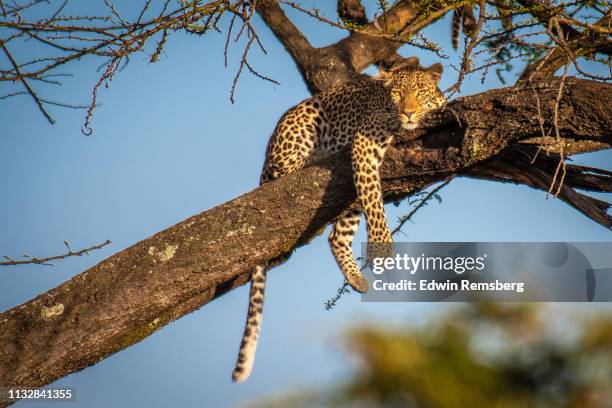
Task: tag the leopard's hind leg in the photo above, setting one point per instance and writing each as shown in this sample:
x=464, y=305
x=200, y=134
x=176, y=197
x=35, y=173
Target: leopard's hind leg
x=340, y=242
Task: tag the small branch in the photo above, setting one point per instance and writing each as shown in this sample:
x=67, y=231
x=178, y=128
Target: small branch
x=109, y=36
x=577, y=44
x=343, y=290
x=45, y=261
x=110, y=70
x=243, y=61
x=561, y=164
x=227, y=40
x=403, y=220
x=25, y=83
x=314, y=14
x=260, y=75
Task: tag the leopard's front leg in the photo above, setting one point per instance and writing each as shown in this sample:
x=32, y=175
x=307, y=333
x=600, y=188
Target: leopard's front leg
x=367, y=154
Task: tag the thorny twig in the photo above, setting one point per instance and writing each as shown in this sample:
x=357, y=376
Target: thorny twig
x=240, y=68
x=403, y=220
x=110, y=36
x=561, y=165
x=25, y=83
x=47, y=260
x=542, y=131
x=343, y=290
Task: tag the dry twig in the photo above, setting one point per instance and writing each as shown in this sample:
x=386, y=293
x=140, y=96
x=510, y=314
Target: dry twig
x=46, y=261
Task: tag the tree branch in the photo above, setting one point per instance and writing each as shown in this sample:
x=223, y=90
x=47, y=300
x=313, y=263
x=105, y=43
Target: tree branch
x=577, y=44
x=521, y=164
x=25, y=83
x=133, y=293
x=45, y=261
x=296, y=44
x=325, y=67
x=422, y=202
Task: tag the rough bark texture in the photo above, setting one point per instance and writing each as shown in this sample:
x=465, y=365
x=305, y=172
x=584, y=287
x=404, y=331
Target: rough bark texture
x=133, y=293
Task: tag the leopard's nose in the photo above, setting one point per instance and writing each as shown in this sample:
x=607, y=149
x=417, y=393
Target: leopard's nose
x=409, y=114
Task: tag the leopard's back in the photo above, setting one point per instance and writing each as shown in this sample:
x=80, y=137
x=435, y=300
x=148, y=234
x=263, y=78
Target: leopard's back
x=326, y=123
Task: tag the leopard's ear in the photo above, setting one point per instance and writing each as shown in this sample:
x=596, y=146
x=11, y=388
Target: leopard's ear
x=385, y=76
x=435, y=71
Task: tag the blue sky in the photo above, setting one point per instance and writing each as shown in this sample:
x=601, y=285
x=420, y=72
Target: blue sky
x=167, y=144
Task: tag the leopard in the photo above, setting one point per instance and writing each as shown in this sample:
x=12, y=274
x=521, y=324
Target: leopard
x=364, y=114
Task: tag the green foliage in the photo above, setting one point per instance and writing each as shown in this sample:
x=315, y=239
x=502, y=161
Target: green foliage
x=351, y=25
x=482, y=355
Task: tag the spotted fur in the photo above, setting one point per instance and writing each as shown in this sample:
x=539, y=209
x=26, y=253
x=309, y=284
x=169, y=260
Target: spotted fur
x=456, y=26
x=463, y=18
x=365, y=115
x=246, y=356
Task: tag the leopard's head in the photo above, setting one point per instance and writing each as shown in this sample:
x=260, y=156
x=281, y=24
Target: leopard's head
x=414, y=90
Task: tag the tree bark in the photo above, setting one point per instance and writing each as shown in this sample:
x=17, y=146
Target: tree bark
x=130, y=295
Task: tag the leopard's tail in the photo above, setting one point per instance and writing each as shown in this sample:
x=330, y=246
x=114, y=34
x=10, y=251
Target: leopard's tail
x=246, y=356
x=456, y=26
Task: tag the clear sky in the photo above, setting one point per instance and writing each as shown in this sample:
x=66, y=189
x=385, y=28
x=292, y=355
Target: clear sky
x=168, y=144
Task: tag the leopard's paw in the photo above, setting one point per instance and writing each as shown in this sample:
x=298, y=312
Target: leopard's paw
x=358, y=282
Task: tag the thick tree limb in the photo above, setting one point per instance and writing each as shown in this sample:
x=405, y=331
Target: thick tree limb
x=296, y=44
x=523, y=164
x=325, y=67
x=378, y=42
x=133, y=293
